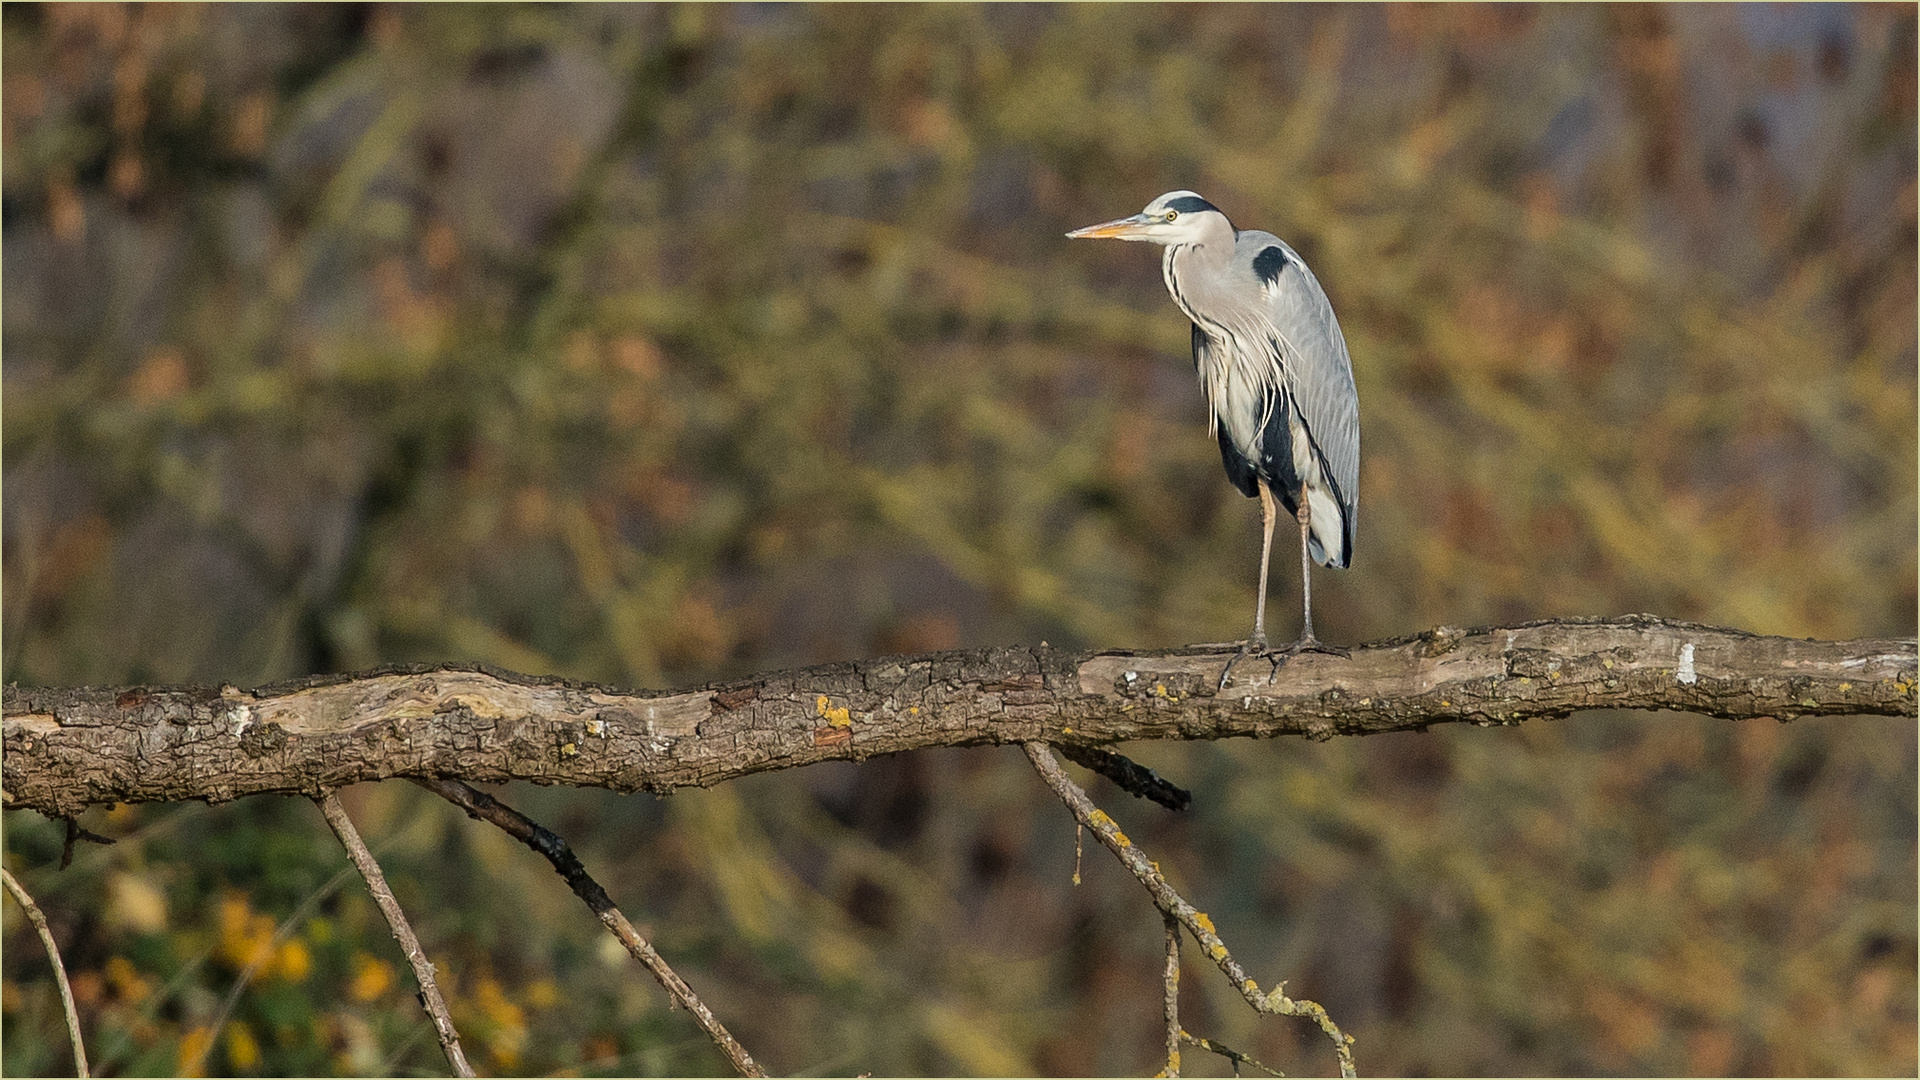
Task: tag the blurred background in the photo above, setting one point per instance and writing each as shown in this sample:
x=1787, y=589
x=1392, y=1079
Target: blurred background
x=656, y=345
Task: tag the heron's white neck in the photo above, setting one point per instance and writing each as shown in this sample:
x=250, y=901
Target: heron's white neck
x=1193, y=262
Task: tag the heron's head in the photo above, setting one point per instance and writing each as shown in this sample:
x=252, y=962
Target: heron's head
x=1178, y=217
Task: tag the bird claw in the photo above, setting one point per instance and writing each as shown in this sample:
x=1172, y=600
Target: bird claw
x=1314, y=644
x=1255, y=646
x=1276, y=657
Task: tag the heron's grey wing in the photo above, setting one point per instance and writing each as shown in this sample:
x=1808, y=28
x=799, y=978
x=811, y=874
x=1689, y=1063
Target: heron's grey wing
x=1315, y=353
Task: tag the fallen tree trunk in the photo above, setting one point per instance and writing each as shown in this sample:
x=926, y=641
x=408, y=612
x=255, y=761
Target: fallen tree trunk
x=70, y=748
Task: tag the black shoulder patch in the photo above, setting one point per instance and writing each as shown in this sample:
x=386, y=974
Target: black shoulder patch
x=1191, y=204
x=1269, y=263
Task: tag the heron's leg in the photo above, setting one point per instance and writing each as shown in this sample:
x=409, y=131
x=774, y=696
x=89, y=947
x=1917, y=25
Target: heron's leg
x=1307, y=642
x=1306, y=577
x=1258, y=642
x=1268, y=512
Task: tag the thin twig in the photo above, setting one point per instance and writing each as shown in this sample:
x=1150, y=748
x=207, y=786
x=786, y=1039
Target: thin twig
x=483, y=807
x=1172, y=903
x=1230, y=1054
x=436, y=1006
x=1172, y=980
x=259, y=959
x=39, y=922
x=74, y=833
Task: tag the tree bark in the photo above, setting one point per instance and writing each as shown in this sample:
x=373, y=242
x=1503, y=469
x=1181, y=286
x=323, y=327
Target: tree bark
x=70, y=748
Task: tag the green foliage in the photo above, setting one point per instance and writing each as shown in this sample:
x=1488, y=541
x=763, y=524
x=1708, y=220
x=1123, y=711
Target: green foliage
x=655, y=345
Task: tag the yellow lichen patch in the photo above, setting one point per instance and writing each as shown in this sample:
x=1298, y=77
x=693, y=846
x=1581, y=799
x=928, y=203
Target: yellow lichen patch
x=1205, y=922
x=838, y=717
x=569, y=750
x=1249, y=987
x=1845, y=686
x=1217, y=951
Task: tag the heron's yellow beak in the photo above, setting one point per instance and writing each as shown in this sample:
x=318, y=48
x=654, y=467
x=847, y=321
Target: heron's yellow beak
x=1126, y=228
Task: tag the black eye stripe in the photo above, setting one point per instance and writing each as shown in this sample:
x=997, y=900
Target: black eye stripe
x=1191, y=204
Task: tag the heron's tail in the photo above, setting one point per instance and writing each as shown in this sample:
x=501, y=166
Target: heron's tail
x=1328, y=537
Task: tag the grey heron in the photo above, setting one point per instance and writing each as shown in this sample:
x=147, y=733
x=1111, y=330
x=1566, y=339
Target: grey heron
x=1278, y=382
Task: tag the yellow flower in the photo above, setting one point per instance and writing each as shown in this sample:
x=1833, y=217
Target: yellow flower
x=191, y=1046
x=371, y=978
x=293, y=961
x=243, y=1052
x=127, y=980
x=543, y=994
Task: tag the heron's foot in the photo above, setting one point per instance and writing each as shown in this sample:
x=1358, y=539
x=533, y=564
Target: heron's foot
x=1257, y=646
x=1253, y=646
x=1309, y=643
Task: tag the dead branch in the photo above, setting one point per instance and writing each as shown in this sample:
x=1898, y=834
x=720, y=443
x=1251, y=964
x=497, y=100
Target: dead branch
x=483, y=807
x=430, y=998
x=67, y=749
x=1174, y=906
x=1227, y=1052
x=1170, y=1007
x=40, y=927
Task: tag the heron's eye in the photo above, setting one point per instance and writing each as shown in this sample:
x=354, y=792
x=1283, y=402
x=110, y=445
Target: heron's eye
x=1171, y=214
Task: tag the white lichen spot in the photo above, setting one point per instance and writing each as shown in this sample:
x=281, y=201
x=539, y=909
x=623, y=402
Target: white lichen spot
x=1132, y=676
x=597, y=728
x=1686, y=675
x=242, y=719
